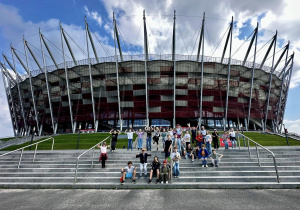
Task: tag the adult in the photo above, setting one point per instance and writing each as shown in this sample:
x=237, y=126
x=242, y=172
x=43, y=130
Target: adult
x=193, y=132
x=208, y=140
x=156, y=136
x=215, y=139
x=130, y=137
x=232, y=134
x=155, y=166
x=148, y=138
x=128, y=172
x=167, y=148
x=143, y=162
x=114, y=134
x=140, y=134
x=203, y=132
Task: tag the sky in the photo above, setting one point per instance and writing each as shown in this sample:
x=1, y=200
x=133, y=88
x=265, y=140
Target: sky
x=18, y=18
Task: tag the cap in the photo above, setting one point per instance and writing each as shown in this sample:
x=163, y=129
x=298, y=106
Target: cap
x=143, y=149
x=165, y=161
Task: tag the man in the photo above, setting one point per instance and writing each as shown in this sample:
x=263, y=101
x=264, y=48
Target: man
x=148, y=131
x=215, y=158
x=130, y=137
x=193, y=132
x=165, y=173
x=128, y=172
x=143, y=162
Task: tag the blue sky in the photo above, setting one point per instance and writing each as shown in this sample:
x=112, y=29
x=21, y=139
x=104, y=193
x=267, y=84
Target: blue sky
x=25, y=17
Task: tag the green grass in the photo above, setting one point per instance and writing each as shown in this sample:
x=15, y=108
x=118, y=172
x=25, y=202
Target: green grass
x=69, y=141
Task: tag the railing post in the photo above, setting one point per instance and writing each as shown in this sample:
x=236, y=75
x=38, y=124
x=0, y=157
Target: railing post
x=20, y=158
x=110, y=143
x=239, y=142
x=275, y=164
x=75, y=178
x=93, y=157
x=52, y=144
x=35, y=152
x=249, y=148
x=258, y=160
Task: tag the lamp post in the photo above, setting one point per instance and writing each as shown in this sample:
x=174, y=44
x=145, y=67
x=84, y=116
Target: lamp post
x=243, y=134
x=32, y=137
x=286, y=137
x=78, y=135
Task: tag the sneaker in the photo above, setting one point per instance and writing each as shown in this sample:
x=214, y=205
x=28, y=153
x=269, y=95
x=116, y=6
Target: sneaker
x=206, y=166
x=123, y=182
x=133, y=181
x=186, y=157
x=192, y=161
x=217, y=166
x=145, y=176
x=157, y=181
x=202, y=166
x=177, y=176
x=166, y=182
x=139, y=177
x=149, y=181
x=162, y=182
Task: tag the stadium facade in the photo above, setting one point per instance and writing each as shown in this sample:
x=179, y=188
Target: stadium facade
x=139, y=90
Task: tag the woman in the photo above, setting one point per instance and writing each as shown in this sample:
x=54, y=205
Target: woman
x=114, y=135
x=140, y=134
x=225, y=139
x=215, y=138
x=155, y=169
x=156, y=136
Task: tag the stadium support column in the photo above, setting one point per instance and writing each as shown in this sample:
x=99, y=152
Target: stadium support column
x=201, y=41
x=116, y=38
x=90, y=72
x=281, y=89
x=270, y=84
x=228, y=75
x=47, y=83
x=253, y=71
x=11, y=116
x=67, y=78
x=146, y=74
x=30, y=83
x=287, y=91
x=18, y=80
x=174, y=68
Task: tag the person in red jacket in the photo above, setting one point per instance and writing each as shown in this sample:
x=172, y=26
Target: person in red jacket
x=199, y=138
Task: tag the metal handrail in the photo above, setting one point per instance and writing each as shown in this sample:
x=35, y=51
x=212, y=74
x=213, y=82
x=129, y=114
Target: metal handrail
x=258, y=159
x=92, y=156
x=22, y=149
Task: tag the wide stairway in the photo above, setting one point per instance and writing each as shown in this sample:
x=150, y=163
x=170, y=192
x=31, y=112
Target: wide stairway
x=237, y=170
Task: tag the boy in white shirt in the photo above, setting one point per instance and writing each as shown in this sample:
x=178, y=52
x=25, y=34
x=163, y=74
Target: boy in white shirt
x=208, y=140
x=130, y=137
x=176, y=157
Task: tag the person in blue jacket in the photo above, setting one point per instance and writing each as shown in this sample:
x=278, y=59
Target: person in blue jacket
x=203, y=155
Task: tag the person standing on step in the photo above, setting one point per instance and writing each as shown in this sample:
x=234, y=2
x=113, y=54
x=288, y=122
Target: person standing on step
x=128, y=172
x=114, y=135
x=193, y=133
x=215, y=139
x=148, y=138
x=155, y=166
x=225, y=139
x=215, y=158
x=130, y=138
x=167, y=148
x=156, y=136
x=203, y=132
x=187, y=137
x=143, y=162
x=208, y=140
x=165, y=173
x=203, y=155
x=176, y=158
x=140, y=134
x=171, y=133
x=103, y=153
x=199, y=139
x=164, y=136
x=232, y=134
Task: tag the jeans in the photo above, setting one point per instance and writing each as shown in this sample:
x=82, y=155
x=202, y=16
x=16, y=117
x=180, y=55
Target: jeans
x=215, y=162
x=129, y=144
x=176, y=169
x=113, y=145
x=148, y=143
x=199, y=144
x=204, y=162
x=233, y=142
x=163, y=141
x=208, y=147
x=226, y=145
x=140, y=143
x=179, y=145
x=143, y=166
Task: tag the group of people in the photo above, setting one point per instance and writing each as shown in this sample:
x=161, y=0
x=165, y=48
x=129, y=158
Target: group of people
x=177, y=143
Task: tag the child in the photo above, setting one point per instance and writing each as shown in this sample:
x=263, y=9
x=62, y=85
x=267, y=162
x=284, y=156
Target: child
x=128, y=172
x=130, y=137
x=203, y=155
x=170, y=132
x=114, y=135
x=177, y=143
x=196, y=152
x=187, y=138
x=215, y=158
x=203, y=132
x=225, y=139
x=165, y=173
x=103, y=155
x=155, y=166
x=167, y=148
x=164, y=136
x=143, y=162
x=189, y=152
x=208, y=140
x=148, y=139
x=199, y=139
x=215, y=138
x=140, y=134
x=232, y=138
x=194, y=132
x=156, y=136
x=176, y=157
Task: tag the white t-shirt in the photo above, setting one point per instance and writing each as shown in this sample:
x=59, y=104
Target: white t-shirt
x=178, y=130
x=187, y=137
x=208, y=138
x=232, y=134
x=129, y=170
x=175, y=154
x=203, y=132
x=171, y=133
x=130, y=135
x=103, y=149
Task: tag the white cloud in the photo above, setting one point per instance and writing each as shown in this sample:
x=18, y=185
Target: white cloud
x=94, y=15
x=293, y=126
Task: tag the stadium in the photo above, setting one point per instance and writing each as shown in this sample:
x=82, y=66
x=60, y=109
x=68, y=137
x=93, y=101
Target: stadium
x=99, y=93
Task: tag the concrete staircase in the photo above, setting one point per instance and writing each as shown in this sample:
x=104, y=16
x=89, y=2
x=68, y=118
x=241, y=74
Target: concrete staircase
x=237, y=170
